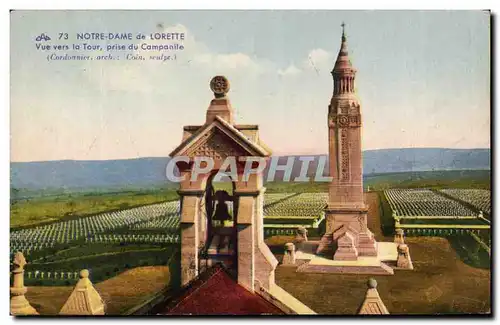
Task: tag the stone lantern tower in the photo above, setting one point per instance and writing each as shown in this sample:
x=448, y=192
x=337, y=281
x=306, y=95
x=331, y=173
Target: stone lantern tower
x=346, y=213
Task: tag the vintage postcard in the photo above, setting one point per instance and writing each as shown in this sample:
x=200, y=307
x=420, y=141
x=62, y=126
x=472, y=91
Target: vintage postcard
x=251, y=162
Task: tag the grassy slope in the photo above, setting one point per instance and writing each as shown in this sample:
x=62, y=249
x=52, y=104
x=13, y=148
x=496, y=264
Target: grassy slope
x=119, y=293
x=45, y=210
x=103, y=260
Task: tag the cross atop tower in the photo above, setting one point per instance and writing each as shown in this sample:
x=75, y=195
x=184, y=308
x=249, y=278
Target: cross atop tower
x=343, y=30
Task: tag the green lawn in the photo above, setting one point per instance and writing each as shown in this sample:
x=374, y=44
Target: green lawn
x=78, y=251
x=103, y=260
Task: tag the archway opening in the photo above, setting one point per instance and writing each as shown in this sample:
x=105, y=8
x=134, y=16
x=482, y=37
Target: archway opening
x=219, y=210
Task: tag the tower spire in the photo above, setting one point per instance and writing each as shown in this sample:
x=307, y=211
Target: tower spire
x=343, y=72
x=343, y=61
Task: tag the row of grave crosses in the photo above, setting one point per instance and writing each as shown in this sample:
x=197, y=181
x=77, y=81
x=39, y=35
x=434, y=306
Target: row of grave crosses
x=52, y=275
x=84, y=300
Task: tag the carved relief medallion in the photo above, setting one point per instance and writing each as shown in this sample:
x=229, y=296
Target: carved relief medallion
x=219, y=85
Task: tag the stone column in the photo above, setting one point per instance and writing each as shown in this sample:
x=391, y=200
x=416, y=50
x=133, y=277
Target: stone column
x=245, y=242
x=289, y=255
x=256, y=262
x=404, y=260
x=399, y=236
x=19, y=305
x=190, y=206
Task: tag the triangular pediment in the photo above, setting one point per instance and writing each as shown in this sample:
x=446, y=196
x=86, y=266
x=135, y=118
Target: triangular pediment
x=219, y=140
x=373, y=305
x=339, y=232
x=84, y=300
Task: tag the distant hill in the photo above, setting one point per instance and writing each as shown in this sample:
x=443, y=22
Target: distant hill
x=150, y=172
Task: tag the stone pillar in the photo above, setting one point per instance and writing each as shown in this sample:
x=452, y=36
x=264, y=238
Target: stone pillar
x=245, y=242
x=190, y=206
x=404, y=260
x=84, y=300
x=367, y=246
x=256, y=262
x=289, y=255
x=399, y=236
x=372, y=305
x=265, y=261
x=19, y=305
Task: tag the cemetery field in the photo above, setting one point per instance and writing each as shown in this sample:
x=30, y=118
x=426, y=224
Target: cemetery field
x=457, y=214
x=112, y=242
x=112, y=245
x=449, y=242
x=29, y=211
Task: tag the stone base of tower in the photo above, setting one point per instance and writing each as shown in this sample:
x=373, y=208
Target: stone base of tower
x=348, y=246
x=379, y=264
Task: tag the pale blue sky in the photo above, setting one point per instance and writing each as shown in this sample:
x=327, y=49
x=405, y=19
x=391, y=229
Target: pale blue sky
x=423, y=81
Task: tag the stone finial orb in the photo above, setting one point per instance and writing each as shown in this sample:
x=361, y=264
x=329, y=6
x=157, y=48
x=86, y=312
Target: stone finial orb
x=372, y=283
x=84, y=273
x=220, y=86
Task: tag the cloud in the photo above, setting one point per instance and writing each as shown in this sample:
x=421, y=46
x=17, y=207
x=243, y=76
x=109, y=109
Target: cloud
x=143, y=76
x=291, y=70
x=319, y=59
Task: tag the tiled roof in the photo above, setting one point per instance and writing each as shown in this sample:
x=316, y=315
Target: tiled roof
x=215, y=292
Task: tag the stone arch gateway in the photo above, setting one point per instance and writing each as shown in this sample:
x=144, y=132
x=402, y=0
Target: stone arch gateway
x=218, y=139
